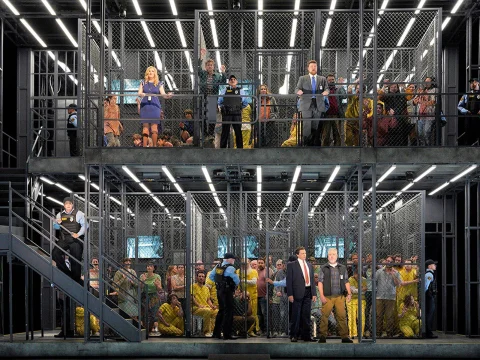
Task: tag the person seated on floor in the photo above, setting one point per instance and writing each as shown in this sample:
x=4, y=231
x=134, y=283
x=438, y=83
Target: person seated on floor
x=172, y=314
x=167, y=139
x=409, y=317
x=138, y=141
x=186, y=127
x=242, y=312
x=211, y=284
x=292, y=140
x=202, y=305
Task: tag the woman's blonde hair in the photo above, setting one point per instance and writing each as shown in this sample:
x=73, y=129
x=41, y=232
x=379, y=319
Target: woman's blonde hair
x=155, y=80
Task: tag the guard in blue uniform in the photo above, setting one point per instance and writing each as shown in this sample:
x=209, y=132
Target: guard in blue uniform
x=430, y=297
x=226, y=281
x=231, y=107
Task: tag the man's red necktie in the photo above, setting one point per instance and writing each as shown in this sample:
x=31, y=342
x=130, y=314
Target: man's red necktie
x=307, y=279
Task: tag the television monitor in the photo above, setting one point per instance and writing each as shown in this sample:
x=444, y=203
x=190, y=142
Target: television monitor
x=149, y=247
x=222, y=246
x=250, y=244
x=130, y=86
x=323, y=243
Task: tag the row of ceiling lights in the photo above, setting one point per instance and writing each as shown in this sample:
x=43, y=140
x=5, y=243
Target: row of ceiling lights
x=212, y=23
x=259, y=189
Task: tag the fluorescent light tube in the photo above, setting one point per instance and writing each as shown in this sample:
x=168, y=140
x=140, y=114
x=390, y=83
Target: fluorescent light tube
x=49, y=8
x=334, y=173
x=63, y=188
x=131, y=174
x=296, y=174
x=439, y=188
x=137, y=7
x=35, y=35
x=463, y=173
x=145, y=188
x=206, y=174
x=169, y=174
x=425, y=173
x=48, y=181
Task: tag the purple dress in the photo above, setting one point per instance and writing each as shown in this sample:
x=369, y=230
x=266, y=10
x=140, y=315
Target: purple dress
x=151, y=108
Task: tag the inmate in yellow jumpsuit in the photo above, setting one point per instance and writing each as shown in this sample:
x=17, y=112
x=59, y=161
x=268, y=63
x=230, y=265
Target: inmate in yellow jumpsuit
x=352, y=307
x=170, y=315
x=251, y=277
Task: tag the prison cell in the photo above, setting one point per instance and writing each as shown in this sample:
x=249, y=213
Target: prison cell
x=199, y=227
x=269, y=47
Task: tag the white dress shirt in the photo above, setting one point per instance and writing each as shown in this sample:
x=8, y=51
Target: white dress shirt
x=303, y=266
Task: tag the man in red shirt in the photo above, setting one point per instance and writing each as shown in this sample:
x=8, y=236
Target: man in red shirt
x=262, y=295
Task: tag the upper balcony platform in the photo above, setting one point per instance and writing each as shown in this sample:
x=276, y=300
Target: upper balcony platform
x=263, y=156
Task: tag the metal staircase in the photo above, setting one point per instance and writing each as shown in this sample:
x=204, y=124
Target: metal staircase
x=41, y=262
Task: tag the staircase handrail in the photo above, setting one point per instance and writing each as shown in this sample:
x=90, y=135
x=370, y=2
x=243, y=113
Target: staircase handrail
x=52, y=239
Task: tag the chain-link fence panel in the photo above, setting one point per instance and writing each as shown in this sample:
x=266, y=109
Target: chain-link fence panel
x=127, y=57
x=398, y=246
x=402, y=56
x=274, y=222
x=54, y=88
x=263, y=230
x=335, y=222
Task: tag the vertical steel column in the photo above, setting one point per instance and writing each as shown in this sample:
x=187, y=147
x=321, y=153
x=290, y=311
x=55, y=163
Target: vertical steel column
x=306, y=203
x=86, y=252
x=468, y=323
x=478, y=250
x=455, y=256
x=438, y=108
x=444, y=262
x=361, y=82
x=101, y=252
x=422, y=262
x=9, y=259
x=468, y=49
x=101, y=88
x=375, y=71
x=79, y=79
x=27, y=319
x=31, y=302
x=267, y=271
x=197, y=110
x=360, y=236
x=2, y=40
x=188, y=251
x=360, y=256
x=318, y=37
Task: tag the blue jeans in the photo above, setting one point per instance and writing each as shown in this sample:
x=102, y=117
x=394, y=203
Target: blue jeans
x=262, y=313
x=425, y=131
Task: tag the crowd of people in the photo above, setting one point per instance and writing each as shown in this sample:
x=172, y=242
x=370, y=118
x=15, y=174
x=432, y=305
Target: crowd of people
x=406, y=113
x=301, y=298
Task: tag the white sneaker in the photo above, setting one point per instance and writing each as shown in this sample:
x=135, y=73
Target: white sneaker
x=209, y=334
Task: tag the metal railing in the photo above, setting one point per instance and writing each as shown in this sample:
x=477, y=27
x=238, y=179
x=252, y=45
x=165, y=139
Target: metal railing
x=47, y=236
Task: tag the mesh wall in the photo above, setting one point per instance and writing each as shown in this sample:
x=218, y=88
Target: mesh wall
x=403, y=57
x=271, y=226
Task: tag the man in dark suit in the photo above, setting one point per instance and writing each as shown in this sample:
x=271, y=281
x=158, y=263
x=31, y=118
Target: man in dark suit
x=311, y=89
x=301, y=291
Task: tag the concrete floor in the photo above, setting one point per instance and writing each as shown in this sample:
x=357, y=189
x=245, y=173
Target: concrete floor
x=445, y=347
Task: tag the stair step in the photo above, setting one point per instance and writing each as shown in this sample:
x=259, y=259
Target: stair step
x=39, y=250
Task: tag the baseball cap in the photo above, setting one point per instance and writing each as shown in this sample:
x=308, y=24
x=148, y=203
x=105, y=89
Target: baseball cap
x=430, y=262
x=472, y=80
x=229, y=256
x=69, y=199
x=232, y=77
x=72, y=106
